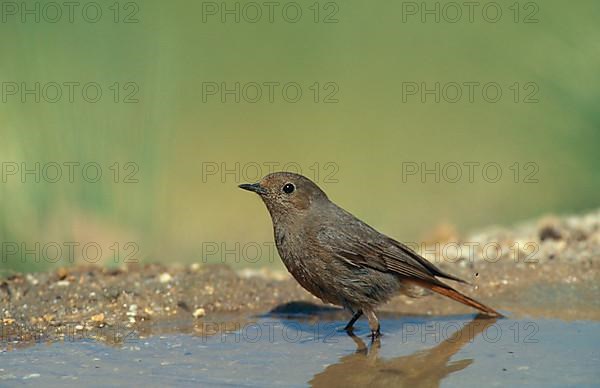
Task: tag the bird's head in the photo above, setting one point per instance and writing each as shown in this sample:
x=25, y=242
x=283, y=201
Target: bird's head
x=286, y=193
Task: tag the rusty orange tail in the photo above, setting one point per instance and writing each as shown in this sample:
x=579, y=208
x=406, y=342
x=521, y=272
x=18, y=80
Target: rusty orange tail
x=457, y=296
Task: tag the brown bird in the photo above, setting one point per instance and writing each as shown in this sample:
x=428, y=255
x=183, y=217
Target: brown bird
x=340, y=259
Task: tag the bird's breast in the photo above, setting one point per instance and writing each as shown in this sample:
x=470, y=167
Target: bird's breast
x=300, y=260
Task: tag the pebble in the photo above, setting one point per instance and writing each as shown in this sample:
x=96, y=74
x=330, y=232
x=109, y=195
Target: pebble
x=31, y=279
x=132, y=311
x=165, y=277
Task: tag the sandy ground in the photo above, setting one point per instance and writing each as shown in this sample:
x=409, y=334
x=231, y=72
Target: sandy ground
x=546, y=268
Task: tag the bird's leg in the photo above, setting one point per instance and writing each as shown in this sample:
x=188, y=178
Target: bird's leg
x=353, y=320
x=373, y=324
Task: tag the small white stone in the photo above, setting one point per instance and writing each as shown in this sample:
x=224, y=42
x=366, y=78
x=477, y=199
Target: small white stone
x=132, y=310
x=31, y=279
x=199, y=313
x=165, y=277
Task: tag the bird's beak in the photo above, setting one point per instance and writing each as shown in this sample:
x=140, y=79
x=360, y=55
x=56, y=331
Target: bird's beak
x=255, y=187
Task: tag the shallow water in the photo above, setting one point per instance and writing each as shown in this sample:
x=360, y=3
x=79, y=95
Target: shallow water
x=311, y=350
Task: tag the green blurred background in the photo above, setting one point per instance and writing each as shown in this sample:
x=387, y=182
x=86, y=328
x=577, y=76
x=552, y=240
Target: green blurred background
x=174, y=211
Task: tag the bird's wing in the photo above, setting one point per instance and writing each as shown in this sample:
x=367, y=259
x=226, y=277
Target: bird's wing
x=435, y=271
x=376, y=251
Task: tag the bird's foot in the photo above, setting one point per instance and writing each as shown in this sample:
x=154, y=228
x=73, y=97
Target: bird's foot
x=375, y=334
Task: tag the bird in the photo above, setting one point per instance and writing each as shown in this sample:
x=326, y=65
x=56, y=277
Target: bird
x=339, y=258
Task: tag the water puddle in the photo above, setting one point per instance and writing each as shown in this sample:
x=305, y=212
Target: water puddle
x=300, y=350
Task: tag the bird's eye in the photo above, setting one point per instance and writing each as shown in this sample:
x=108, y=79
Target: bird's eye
x=289, y=188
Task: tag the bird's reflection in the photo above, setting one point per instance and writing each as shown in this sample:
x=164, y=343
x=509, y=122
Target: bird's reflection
x=423, y=368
